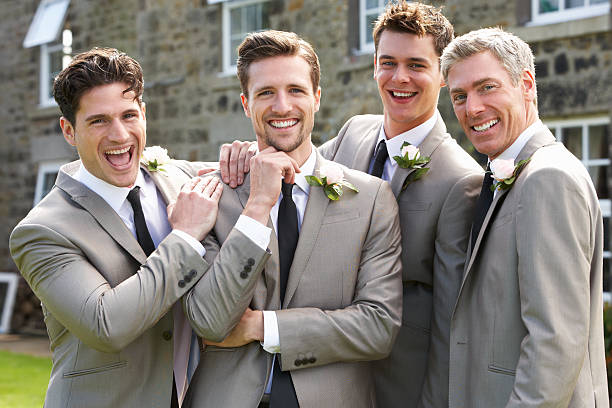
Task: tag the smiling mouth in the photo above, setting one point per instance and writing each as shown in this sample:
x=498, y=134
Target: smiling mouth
x=485, y=126
x=402, y=95
x=119, y=157
x=283, y=124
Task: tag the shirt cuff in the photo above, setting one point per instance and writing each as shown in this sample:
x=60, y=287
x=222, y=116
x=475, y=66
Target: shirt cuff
x=194, y=243
x=271, y=341
x=256, y=231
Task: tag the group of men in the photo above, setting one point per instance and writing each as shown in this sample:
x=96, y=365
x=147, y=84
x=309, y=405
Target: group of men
x=312, y=283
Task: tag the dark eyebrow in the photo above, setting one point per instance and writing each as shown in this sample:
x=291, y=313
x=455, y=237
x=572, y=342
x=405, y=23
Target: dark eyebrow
x=411, y=59
x=95, y=117
x=474, y=84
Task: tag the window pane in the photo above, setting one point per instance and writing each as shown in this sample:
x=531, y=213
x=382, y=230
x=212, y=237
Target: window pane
x=252, y=20
x=599, y=175
x=236, y=21
x=265, y=16
x=546, y=6
x=370, y=19
x=606, y=223
x=48, y=182
x=598, y=1
x=574, y=3
x=598, y=142
x=572, y=139
x=234, y=45
x=606, y=274
x=370, y=4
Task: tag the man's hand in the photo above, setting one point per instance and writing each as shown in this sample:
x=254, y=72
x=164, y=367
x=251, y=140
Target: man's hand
x=234, y=160
x=249, y=328
x=268, y=168
x=195, y=209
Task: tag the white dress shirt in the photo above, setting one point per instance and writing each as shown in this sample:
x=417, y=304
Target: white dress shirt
x=414, y=136
x=156, y=218
x=515, y=148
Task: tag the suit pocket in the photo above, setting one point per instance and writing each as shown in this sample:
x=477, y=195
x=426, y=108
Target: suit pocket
x=334, y=218
x=501, y=370
x=215, y=349
x=407, y=203
x=86, y=371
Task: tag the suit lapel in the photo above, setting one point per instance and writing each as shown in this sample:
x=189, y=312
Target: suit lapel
x=166, y=182
x=427, y=148
x=311, y=224
x=539, y=139
x=365, y=150
x=106, y=217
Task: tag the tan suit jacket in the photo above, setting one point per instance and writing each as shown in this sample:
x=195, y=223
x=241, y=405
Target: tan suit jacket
x=105, y=303
x=342, y=305
x=435, y=216
x=527, y=329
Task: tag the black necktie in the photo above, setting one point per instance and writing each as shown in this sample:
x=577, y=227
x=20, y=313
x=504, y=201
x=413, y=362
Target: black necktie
x=142, y=232
x=282, y=394
x=482, y=206
x=380, y=159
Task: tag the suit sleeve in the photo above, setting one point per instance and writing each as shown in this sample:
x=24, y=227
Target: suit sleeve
x=555, y=247
x=452, y=236
x=103, y=317
x=366, y=329
x=218, y=301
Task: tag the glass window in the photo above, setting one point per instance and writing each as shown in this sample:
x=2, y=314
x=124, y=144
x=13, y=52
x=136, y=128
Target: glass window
x=45, y=180
x=588, y=140
x=240, y=18
x=556, y=11
x=53, y=58
x=47, y=23
x=369, y=10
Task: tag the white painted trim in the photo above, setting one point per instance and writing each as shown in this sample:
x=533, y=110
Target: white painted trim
x=43, y=169
x=11, y=279
x=365, y=47
x=47, y=23
x=564, y=15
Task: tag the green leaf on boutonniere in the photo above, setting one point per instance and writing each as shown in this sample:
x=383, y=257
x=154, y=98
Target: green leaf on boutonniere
x=414, y=176
x=314, y=181
x=333, y=191
x=348, y=185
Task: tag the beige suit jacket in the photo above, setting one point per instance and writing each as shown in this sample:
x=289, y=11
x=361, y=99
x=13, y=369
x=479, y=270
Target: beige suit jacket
x=435, y=217
x=105, y=303
x=342, y=305
x=527, y=329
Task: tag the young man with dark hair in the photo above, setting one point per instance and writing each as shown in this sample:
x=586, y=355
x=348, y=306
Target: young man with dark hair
x=302, y=332
x=105, y=256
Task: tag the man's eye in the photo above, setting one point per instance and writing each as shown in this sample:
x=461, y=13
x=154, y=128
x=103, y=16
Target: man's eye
x=388, y=63
x=458, y=98
x=296, y=90
x=130, y=115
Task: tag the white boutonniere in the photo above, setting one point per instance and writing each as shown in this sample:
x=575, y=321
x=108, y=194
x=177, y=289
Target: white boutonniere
x=411, y=159
x=504, y=172
x=154, y=158
x=331, y=178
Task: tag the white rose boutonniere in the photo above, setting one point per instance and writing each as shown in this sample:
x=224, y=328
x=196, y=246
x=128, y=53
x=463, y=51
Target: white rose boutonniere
x=504, y=172
x=411, y=159
x=331, y=178
x=154, y=158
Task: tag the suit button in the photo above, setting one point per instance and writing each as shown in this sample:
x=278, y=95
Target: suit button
x=251, y=261
x=312, y=360
x=243, y=275
x=187, y=278
x=167, y=335
x=181, y=283
x=192, y=273
x=298, y=362
x=247, y=268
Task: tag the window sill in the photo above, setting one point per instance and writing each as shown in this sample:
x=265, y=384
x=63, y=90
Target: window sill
x=575, y=28
x=44, y=112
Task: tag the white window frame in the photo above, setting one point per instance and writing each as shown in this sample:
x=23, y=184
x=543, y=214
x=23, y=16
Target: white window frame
x=563, y=14
x=364, y=46
x=45, y=168
x=584, y=123
x=11, y=280
x=229, y=66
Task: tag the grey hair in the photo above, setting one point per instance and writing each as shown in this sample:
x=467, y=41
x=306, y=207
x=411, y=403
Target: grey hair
x=512, y=52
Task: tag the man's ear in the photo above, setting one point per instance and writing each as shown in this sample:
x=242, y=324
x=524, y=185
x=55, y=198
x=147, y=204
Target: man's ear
x=143, y=108
x=245, y=105
x=375, y=66
x=68, y=131
x=529, y=84
x=317, y=99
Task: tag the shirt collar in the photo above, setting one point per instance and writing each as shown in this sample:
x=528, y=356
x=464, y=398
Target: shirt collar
x=515, y=148
x=113, y=195
x=414, y=136
x=306, y=169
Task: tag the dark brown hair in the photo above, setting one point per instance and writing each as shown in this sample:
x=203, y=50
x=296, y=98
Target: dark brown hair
x=415, y=18
x=98, y=66
x=271, y=43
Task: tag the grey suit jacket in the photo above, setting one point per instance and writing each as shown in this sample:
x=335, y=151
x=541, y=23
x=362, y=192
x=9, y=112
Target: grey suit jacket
x=435, y=217
x=342, y=305
x=105, y=303
x=527, y=329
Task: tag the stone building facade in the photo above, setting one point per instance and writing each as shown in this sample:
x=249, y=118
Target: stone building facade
x=192, y=94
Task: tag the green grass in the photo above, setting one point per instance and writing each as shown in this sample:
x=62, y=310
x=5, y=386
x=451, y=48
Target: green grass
x=23, y=380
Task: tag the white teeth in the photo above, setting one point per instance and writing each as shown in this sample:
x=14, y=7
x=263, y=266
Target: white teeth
x=403, y=94
x=120, y=151
x=485, y=126
x=279, y=124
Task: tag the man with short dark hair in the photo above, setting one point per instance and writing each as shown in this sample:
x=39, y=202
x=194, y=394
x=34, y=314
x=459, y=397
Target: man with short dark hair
x=324, y=305
x=105, y=256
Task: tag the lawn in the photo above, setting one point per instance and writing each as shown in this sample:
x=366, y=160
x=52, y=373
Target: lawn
x=23, y=380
